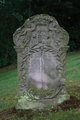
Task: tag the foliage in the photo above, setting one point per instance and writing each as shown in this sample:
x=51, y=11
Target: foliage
x=13, y=13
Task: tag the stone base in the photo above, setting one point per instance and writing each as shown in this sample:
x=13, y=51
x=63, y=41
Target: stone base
x=23, y=103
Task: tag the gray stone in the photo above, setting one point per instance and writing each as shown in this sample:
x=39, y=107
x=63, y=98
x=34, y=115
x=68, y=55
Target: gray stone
x=41, y=46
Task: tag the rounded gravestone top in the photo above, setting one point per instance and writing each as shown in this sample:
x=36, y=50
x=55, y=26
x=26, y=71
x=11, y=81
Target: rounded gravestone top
x=59, y=35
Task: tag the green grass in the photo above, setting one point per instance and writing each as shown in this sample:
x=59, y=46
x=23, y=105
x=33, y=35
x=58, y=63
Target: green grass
x=68, y=115
x=9, y=89
x=73, y=69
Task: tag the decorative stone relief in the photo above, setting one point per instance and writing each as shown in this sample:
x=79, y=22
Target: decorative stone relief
x=41, y=46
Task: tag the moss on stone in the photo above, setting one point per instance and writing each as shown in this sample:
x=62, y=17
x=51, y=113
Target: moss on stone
x=38, y=91
x=22, y=26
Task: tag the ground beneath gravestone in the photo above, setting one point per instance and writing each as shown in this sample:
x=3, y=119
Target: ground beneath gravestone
x=11, y=113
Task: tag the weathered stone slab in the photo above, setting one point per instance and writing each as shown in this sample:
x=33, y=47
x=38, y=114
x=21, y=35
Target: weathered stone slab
x=41, y=46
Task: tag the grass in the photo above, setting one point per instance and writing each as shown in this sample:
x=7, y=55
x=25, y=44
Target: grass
x=9, y=89
x=69, y=115
x=73, y=69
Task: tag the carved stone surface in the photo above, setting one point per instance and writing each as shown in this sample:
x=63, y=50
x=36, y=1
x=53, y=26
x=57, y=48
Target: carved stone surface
x=41, y=46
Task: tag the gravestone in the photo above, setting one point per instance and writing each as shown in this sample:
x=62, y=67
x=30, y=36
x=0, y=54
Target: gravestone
x=41, y=46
